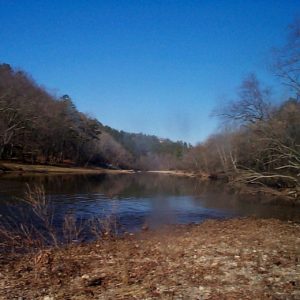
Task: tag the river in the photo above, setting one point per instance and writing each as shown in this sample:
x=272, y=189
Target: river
x=138, y=200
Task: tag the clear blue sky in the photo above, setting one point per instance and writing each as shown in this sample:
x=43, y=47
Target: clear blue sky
x=157, y=67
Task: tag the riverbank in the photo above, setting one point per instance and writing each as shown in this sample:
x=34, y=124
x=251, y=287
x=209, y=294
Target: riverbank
x=231, y=259
x=20, y=168
x=178, y=173
x=288, y=196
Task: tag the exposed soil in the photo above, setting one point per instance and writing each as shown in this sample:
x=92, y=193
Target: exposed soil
x=19, y=168
x=231, y=259
x=181, y=173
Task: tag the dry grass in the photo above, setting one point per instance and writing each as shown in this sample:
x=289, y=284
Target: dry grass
x=233, y=259
x=30, y=228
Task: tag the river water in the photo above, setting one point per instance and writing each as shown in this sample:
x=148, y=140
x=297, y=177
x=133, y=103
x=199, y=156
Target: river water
x=138, y=199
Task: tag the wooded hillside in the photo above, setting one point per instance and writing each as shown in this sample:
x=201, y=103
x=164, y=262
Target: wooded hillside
x=38, y=127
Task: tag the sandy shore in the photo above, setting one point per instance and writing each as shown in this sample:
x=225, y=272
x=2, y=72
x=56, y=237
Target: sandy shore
x=19, y=168
x=232, y=259
x=179, y=173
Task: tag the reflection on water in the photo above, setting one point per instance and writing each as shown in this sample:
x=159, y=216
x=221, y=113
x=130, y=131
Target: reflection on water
x=137, y=199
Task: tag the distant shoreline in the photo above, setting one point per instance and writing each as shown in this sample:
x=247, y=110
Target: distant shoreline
x=21, y=168
x=270, y=194
x=284, y=196
x=177, y=173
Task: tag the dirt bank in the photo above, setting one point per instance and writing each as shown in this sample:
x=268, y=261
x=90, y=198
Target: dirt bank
x=19, y=168
x=179, y=173
x=232, y=259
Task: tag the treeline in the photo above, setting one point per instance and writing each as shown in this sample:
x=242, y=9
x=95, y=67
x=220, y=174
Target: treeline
x=38, y=127
x=259, y=141
x=149, y=151
x=264, y=148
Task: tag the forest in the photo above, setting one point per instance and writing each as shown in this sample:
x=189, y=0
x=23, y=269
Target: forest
x=37, y=127
x=259, y=137
x=258, y=141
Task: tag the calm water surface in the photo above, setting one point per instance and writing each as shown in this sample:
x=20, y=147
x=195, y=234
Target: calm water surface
x=138, y=199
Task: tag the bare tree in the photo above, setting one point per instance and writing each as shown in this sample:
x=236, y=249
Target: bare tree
x=252, y=104
x=287, y=59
